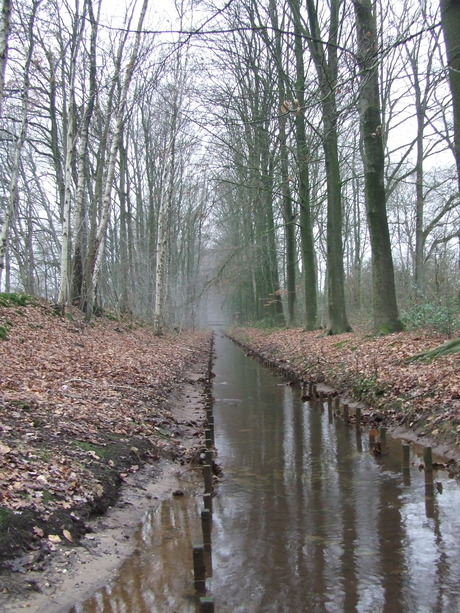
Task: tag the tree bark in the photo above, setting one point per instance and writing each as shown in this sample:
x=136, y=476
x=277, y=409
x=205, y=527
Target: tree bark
x=13, y=193
x=385, y=310
x=326, y=68
x=5, y=23
x=450, y=19
x=306, y=231
x=107, y=199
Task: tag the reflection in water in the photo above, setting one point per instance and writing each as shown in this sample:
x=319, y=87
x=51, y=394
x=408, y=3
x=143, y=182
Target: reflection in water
x=158, y=576
x=305, y=519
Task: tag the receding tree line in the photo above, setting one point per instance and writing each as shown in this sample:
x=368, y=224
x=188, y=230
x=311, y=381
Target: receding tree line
x=301, y=155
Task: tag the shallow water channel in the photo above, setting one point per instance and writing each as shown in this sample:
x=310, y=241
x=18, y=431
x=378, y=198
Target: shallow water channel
x=306, y=519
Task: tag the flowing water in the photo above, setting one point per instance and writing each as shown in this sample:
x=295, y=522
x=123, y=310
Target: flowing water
x=306, y=519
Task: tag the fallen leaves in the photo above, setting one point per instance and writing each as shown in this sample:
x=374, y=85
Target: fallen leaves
x=373, y=369
x=70, y=392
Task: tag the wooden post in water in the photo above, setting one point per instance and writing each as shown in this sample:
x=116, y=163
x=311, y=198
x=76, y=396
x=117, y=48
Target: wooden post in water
x=206, y=605
x=329, y=408
x=303, y=390
x=199, y=569
x=383, y=439
x=358, y=418
x=207, y=501
x=406, y=455
x=406, y=463
x=207, y=475
x=211, y=428
x=208, y=457
x=206, y=527
x=428, y=459
x=345, y=413
x=337, y=405
x=321, y=401
x=310, y=390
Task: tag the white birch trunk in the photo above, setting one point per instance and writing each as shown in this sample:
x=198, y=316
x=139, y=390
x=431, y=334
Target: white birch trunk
x=106, y=201
x=84, y=140
x=4, y=35
x=13, y=186
x=64, y=289
x=160, y=270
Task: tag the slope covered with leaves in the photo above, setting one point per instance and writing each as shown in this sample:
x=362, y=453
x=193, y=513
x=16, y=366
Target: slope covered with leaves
x=424, y=395
x=81, y=407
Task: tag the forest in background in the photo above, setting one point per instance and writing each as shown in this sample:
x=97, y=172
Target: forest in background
x=299, y=156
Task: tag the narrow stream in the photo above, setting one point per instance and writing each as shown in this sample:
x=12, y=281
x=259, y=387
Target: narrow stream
x=305, y=518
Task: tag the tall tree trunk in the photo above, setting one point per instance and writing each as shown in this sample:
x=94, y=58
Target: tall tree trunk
x=13, y=194
x=98, y=248
x=80, y=221
x=326, y=68
x=306, y=230
x=288, y=218
x=5, y=24
x=450, y=19
x=385, y=310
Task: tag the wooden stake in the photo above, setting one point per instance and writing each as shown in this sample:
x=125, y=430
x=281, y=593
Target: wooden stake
x=206, y=605
x=207, y=501
x=206, y=526
x=428, y=459
x=337, y=405
x=358, y=418
x=383, y=438
x=207, y=475
x=406, y=455
x=199, y=569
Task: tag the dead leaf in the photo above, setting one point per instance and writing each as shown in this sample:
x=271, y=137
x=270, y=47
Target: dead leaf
x=54, y=538
x=38, y=531
x=67, y=535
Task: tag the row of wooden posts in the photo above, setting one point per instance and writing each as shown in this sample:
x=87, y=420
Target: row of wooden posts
x=338, y=408
x=202, y=552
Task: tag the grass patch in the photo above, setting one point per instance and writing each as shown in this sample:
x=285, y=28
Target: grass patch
x=99, y=451
x=8, y=299
x=5, y=516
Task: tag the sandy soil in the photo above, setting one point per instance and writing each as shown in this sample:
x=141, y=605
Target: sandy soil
x=70, y=574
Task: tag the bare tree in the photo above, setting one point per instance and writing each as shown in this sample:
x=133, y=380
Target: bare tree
x=385, y=309
x=98, y=247
x=20, y=140
x=5, y=17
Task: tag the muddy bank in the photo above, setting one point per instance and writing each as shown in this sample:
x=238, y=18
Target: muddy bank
x=418, y=402
x=57, y=575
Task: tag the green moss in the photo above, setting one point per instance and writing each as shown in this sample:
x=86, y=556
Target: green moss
x=48, y=496
x=5, y=516
x=389, y=328
x=8, y=299
x=85, y=446
x=111, y=316
x=341, y=344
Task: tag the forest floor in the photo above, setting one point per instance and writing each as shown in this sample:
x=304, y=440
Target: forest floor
x=88, y=413
x=97, y=420
x=417, y=399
